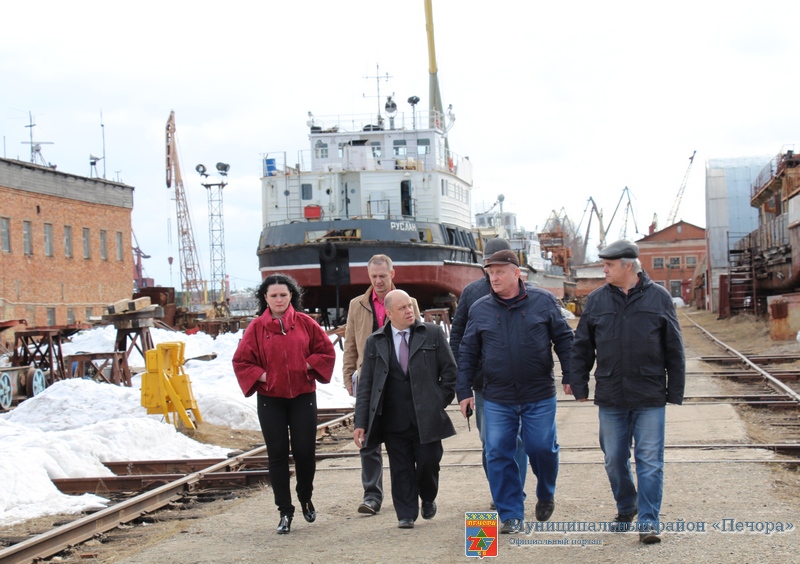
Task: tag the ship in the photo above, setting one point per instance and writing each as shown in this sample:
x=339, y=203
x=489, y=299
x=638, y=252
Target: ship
x=539, y=265
x=380, y=183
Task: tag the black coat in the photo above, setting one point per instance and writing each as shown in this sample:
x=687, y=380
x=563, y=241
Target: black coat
x=431, y=370
x=471, y=294
x=637, y=343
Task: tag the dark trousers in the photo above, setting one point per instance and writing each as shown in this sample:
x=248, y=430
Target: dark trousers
x=372, y=473
x=414, y=469
x=294, y=421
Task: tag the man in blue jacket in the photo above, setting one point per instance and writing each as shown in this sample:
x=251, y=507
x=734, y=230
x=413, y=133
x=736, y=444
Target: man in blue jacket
x=630, y=327
x=471, y=294
x=509, y=334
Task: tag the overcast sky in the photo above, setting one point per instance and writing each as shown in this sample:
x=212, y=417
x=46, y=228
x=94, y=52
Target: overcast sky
x=555, y=101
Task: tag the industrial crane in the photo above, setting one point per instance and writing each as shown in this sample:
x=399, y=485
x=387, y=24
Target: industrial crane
x=591, y=208
x=191, y=279
x=673, y=213
x=138, y=269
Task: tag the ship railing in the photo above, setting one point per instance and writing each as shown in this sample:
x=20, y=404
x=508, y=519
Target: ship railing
x=352, y=123
x=773, y=168
x=382, y=209
x=771, y=234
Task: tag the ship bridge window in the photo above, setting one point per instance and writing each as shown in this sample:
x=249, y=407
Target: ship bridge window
x=306, y=191
x=321, y=150
x=400, y=149
x=376, y=149
x=452, y=236
x=425, y=236
x=423, y=146
x=341, y=150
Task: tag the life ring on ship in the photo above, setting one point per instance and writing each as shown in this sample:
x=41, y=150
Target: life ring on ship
x=328, y=252
x=450, y=163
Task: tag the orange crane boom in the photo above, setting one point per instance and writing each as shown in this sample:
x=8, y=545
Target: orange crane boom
x=191, y=278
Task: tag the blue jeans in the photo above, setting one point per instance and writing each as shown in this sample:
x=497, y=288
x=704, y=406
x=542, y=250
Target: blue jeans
x=644, y=427
x=538, y=422
x=520, y=457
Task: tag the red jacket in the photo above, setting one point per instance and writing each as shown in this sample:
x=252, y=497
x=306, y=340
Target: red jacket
x=283, y=355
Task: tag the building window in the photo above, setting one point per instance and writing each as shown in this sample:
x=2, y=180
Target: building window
x=87, y=246
x=68, y=241
x=103, y=245
x=691, y=262
x=376, y=149
x=658, y=262
x=423, y=146
x=51, y=316
x=119, y=246
x=674, y=262
x=5, y=234
x=48, y=239
x=675, y=288
x=305, y=191
x=70, y=316
x=400, y=148
x=89, y=313
x=321, y=150
x=27, y=237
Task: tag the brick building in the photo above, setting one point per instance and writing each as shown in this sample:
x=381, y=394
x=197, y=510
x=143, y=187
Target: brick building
x=670, y=257
x=65, y=244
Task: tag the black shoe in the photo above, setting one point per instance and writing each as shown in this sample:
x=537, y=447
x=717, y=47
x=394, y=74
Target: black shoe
x=622, y=522
x=309, y=513
x=369, y=507
x=492, y=506
x=649, y=536
x=405, y=523
x=428, y=509
x=544, y=509
x=285, y=525
x=511, y=526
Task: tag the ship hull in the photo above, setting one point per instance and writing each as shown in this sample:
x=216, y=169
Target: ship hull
x=333, y=273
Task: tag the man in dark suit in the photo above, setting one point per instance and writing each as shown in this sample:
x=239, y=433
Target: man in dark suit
x=407, y=379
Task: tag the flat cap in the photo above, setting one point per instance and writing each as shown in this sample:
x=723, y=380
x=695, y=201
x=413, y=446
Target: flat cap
x=503, y=257
x=620, y=249
x=494, y=245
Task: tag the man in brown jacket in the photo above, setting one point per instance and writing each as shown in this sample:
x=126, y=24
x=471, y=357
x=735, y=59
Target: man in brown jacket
x=366, y=314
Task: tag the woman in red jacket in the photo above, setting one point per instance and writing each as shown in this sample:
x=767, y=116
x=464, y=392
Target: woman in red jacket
x=281, y=354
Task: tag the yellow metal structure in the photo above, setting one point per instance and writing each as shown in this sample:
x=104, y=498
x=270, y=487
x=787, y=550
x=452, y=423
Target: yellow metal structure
x=166, y=388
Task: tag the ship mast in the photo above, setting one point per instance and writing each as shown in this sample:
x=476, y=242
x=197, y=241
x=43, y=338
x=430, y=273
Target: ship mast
x=434, y=93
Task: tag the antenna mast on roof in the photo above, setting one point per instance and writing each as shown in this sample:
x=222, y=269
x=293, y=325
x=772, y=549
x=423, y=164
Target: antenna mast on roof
x=36, y=146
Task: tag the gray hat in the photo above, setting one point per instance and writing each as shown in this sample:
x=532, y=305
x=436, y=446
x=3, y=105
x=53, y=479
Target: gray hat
x=620, y=249
x=494, y=245
x=503, y=257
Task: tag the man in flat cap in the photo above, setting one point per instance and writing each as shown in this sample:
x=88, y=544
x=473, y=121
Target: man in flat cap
x=629, y=326
x=510, y=335
x=471, y=294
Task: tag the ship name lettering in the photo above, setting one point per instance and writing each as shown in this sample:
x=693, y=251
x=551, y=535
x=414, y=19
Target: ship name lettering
x=403, y=226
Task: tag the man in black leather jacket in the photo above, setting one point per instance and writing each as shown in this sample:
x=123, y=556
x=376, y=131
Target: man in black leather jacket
x=629, y=326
